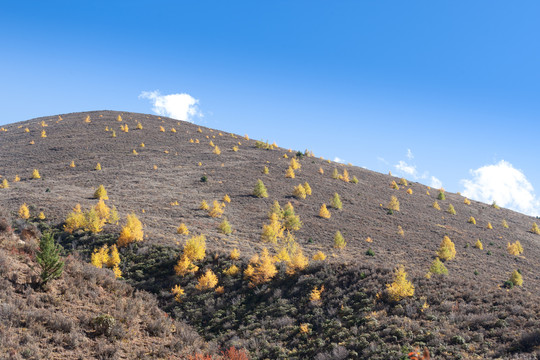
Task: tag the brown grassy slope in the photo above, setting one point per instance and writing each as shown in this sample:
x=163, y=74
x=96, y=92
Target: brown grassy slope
x=133, y=185
x=60, y=323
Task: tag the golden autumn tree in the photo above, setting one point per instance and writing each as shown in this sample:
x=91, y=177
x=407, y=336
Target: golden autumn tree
x=299, y=192
x=132, y=231
x=101, y=193
x=400, y=288
x=339, y=241
x=217, y=209
x=207, y=281
x=182, y=229
x=393, y=204
x=260, y=190
x=261, y=269
x=447, y=249
x=24, y=213
x=324, y=213
x=195, y=248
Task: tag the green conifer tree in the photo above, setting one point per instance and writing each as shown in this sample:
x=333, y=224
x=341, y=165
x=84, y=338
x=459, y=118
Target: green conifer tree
x=48, y=258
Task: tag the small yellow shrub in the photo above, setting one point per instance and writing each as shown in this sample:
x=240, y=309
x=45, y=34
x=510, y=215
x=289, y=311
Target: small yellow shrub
x=339, y=241
x=132, y=231
x=184, y=266
x=535, y=229
x=472, y=220
x=178, y=292
x=336, y=202
x=261, y=269
x=294, y=164
x=467, y=201
x=489, y=226
x=451, y=209
x=235, y=254
x=401, y=287
x=393, y=204
x=232, y=270
x=299, y=192
x=447, y=250
x=226, y=198
x=35, y=174
x=307, y=188
x=516, y=278
x=436, y=205
x=225, y=227
x=204, y=205
x=319, y=256
x=100, y=256
x=217, y=209
x=272, y=231
x=24, y=213
x=315, y=294
x=182, y=229
x=207, y=281
x=101, y=193
x=515, y=248
x=479, y=245
x=324, y=213
x=345, y=176
x=290, y=173
x=195, y=248
x=298, y=261
x=260, y=190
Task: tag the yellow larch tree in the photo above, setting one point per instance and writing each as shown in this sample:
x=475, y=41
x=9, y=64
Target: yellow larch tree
x=207, y=281
x=401, y=287
x=261, y=269
x=447, y=249
x=24, y=213
x=324, y=213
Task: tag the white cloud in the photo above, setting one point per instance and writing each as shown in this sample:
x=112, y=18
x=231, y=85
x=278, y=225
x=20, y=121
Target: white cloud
x=435, y=183
x=406, y=168
x=381, y=159
x=339, y=160
x=504, y=184
x=409, y=154
x=177, y=106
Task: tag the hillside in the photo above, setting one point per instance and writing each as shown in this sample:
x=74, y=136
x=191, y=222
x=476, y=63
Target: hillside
x=87, y=314
x=163, y=184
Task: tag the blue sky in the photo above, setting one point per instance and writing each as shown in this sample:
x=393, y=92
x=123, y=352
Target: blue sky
x=456, y=83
